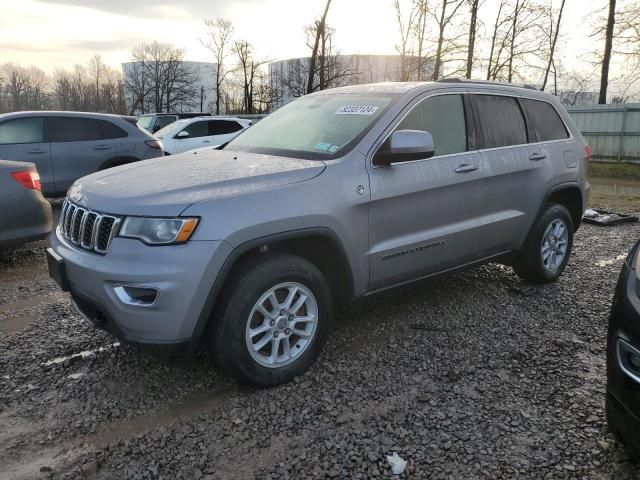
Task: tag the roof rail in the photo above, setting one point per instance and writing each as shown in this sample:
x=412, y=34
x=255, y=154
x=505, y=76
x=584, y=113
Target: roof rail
x=483, y=82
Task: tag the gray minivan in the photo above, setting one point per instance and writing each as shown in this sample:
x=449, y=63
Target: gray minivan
x=65, y=146
x=339, y=194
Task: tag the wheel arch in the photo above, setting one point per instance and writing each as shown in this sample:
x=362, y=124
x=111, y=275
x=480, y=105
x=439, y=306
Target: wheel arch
x=570, y=196
x=321, y=246
x=567, y=194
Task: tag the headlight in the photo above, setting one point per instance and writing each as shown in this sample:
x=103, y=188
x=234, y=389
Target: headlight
x=158, y=231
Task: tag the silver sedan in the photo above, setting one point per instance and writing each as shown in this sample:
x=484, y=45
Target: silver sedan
x=25, y=215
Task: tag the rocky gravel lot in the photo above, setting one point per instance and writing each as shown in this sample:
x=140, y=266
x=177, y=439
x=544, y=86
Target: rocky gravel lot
x=469, y=376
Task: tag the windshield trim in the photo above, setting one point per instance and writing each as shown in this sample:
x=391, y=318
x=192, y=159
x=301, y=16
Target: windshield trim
x=305, y=155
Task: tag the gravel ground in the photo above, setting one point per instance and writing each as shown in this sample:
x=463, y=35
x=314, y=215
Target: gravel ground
x=473, y=375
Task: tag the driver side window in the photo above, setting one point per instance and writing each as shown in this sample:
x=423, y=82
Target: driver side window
x=443, y=117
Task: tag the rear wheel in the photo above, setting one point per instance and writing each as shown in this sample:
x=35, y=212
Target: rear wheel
x=547, y=250
x=272, y=319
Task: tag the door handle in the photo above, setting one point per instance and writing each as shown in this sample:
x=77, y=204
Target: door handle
x=467, y=167
x=37, y=151
x=102, y=147
x=537, y=156
x=206, y=141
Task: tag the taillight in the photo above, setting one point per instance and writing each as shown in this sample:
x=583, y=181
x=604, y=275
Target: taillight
x=588, y=151
x=154, y=144
x=28, y=179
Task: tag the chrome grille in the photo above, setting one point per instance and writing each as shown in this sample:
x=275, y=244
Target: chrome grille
x=86, y=228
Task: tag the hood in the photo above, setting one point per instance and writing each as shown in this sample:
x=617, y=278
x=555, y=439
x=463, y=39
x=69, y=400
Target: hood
x=166, y=186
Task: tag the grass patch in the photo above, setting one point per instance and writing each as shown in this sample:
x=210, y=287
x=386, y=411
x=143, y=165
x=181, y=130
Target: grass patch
x=621, y=171
x=615, y=203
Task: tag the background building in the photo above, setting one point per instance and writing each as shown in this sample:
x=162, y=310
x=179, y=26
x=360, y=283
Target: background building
x=288, y=78
x=169, y=86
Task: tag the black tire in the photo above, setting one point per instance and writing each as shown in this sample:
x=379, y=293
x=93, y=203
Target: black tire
x=621, y=426
x=247, y=283
x=529, y=263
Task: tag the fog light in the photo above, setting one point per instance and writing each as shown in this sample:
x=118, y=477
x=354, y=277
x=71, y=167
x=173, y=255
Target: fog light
x=134, y=295
x=629, y=359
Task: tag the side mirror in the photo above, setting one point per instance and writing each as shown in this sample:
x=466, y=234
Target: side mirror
x=405, y=146
x=183, y=134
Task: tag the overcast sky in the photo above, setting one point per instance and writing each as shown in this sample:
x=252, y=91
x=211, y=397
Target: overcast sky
x=61, y=33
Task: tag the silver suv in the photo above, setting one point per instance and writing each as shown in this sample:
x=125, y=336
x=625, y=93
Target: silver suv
x=68, y=145
x=337, y=195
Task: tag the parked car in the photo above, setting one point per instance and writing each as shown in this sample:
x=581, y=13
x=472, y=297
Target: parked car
x=68, y=145
x=152, y=122
x=623, y=356
x=189, y=134
x=25, y=215
x=337, y=195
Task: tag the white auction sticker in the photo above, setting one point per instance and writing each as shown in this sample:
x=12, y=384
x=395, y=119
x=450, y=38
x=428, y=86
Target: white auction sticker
x=356, y=110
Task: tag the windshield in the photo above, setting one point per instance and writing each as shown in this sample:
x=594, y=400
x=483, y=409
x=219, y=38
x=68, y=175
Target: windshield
x=172, y=129
x=144, y=122
x=315, y=127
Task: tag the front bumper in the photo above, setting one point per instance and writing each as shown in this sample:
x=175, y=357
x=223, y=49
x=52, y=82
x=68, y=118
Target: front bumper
x=623, y=376
x=182, y=276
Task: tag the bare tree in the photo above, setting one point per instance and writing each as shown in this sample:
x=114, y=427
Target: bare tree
x=578, y=87
x=445, y=45
x=554, y=38
x=515, y=43
x=608, y=46
x=249, y=68
x=407, y=24
x=218, y=41
x=473, y=25
x=627, y=37
x=496, y=45
x=158, y=79
x=23, y=88
x=266, y=92
x=330, y=69
x=320, y=32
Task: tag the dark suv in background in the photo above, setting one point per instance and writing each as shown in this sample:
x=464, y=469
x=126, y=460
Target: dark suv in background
x=65, y=146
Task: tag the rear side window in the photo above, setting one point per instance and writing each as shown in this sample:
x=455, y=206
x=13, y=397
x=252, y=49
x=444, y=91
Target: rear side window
x=163, y=121
x=544, y=121
x=197, y=129
x=72, y=129
x=22, y=130
x=110, y=130
x=499, y=121
x=144, y=122
x=223, y=127
x=443, y=117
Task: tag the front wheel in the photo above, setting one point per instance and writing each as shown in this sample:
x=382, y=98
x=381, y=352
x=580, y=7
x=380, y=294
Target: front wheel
x=272, y=319
x=547, y=250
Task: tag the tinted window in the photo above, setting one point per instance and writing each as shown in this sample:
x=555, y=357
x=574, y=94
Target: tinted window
x=22, y=130
x=499, y=121
x=544, y=120
x=197, y=129
x=223, y=127
x=163, y=121
x=443, y=117
x=70, y=129
x=110, y=130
